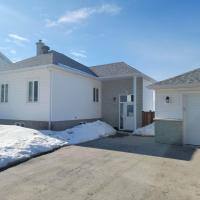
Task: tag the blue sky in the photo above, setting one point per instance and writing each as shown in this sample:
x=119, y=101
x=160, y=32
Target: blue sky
x=159, y=37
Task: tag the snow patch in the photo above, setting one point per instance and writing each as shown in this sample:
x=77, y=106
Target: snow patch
x=18, y=143
x=148, y=130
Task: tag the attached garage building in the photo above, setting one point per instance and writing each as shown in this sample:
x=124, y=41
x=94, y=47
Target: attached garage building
x=177, y=110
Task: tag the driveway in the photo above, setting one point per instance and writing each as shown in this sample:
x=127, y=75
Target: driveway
x=114, y=168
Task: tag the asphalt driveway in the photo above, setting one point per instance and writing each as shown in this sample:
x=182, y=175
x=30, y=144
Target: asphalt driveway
x=115, y=168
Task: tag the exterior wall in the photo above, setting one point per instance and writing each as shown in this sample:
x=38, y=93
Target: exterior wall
x=169, y=123
x=172, y=110
x=169, y=131
x=111, y=89
x=139, y=101
x=18, y=108
x=40, y=125
x=62, y=125
x=72, y=97
x=148, y=97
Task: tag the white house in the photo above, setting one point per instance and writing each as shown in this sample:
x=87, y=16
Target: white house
x=51, y=90
x=177, y=110
x=4, y=60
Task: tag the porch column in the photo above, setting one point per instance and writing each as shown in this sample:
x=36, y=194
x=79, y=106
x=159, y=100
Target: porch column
x=135, y=101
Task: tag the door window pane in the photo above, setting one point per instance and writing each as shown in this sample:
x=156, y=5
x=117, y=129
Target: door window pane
x=129, y=110
x=123, y=98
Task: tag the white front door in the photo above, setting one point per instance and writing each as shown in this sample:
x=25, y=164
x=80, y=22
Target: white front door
x=126, y=107
x=192, y=119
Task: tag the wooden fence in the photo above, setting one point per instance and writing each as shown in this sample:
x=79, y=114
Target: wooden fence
x=147, y=117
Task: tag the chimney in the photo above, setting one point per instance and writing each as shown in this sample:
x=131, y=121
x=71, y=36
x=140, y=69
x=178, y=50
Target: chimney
x=41, y=48
x=45, y=49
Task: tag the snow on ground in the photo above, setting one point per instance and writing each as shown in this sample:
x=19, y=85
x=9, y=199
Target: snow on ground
x=148, y=130
x=18, y=143
x=83, y=132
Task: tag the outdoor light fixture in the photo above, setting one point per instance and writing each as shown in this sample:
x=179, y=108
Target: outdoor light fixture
x=114, y=99
x=167, y=99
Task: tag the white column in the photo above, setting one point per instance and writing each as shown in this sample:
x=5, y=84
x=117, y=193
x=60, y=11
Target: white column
x=135, y=99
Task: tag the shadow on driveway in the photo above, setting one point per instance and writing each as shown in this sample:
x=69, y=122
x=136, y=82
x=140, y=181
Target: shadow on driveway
x=142, y=145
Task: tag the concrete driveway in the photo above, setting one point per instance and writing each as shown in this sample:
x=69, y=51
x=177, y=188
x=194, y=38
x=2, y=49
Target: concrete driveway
x=118, y=168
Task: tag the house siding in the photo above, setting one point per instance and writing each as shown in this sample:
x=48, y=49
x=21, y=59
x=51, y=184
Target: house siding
x=113, y=89
x=39, y=125
x=169, y=117
x=148, y=97
x=18, y=108
x=169, y=110
x=169, y=131
x=62, y=125
x=72, y=97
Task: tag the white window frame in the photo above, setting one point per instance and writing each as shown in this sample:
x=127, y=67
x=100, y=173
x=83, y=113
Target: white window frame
x=38, y=93
x=5, y=100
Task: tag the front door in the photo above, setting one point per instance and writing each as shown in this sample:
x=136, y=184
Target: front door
x=126, y=108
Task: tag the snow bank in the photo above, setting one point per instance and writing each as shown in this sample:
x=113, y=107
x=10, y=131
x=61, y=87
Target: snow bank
x=148, y=130
x=83, y=132
x=18, y=143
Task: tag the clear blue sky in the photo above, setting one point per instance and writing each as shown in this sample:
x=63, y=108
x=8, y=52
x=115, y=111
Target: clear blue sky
x=159, y=37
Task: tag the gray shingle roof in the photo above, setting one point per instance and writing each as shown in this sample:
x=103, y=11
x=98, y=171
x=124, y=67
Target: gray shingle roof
x=59, y=58
x=117, y=69
x=189, y=79
x=4, y=60
x=52, y=57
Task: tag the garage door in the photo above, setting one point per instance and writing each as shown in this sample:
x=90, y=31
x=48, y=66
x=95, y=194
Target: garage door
x=192, y=119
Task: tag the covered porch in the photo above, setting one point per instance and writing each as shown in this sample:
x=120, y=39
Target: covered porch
x=122, y=102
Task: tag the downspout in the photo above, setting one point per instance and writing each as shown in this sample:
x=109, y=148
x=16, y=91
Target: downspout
x=50, y=101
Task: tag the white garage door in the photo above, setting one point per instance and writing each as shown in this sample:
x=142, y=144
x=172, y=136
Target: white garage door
x=192, y=119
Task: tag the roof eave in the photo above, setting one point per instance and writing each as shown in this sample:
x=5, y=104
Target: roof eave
x=157, y=87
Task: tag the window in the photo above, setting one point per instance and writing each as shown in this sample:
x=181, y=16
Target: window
x=123, y=98
x=129, y=110
x=96, y=94
x=33, y=91
x=4, y=93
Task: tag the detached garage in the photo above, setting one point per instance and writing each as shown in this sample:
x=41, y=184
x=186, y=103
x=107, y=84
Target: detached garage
x=177, y=110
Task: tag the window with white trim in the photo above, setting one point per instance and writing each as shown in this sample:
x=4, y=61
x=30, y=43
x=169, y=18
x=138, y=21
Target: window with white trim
x=95, y=94
x=33, y=91
x=4, y=93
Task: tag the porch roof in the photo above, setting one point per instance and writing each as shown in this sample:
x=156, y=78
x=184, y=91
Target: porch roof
x=118, y=70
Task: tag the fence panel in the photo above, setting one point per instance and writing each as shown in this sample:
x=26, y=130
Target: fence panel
x=147, y=117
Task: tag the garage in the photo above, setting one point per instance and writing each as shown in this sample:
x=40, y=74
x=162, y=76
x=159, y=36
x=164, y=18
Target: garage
x=177, y=109
x=191, y=110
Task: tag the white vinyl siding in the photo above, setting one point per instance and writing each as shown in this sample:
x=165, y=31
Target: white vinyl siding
x=18, y=107
x=148, y=97
x=75, y=100
x=4, y=93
